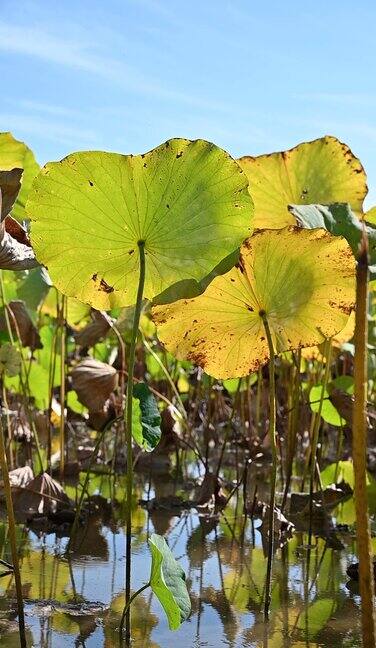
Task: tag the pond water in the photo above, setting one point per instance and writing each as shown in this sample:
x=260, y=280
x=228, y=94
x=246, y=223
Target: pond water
x=79, y=603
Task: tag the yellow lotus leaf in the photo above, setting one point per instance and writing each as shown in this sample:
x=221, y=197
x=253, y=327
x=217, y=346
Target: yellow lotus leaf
x=303, y=280
x=323, y=171
x=347, y=332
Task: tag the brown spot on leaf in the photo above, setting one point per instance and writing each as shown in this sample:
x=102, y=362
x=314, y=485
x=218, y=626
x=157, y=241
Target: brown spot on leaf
x=103, y=285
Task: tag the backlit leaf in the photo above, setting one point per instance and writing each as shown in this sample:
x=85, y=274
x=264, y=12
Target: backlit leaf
x=187, y=201
x=322, y=171
x=302, y=279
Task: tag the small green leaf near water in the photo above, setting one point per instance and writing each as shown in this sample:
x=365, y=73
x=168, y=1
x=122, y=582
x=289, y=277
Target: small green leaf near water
x=328, y=411
x=167, y=580
x=146, y=419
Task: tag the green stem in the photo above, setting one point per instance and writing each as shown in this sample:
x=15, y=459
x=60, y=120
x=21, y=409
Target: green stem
x=359, y=430
x=273, y=480
x=128, y=605
x=316, y=431
x=128, y=432
x=168, y=376
x=62, y=316
x=12, y=538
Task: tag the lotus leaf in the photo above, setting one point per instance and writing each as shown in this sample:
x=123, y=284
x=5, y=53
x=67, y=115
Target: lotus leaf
x=322, y=171
x=167, y=580
x=187, y=202
x=302, y=280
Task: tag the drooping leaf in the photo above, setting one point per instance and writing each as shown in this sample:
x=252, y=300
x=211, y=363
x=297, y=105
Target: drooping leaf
x=146, y=421
x=15, y=250
x=15, y=154
x=94, y=381
x=187, y=201
x=322, y=171
x=167, y=580
x=339, y=220
x=13, y=254
x=10, y=184
x=302, y=279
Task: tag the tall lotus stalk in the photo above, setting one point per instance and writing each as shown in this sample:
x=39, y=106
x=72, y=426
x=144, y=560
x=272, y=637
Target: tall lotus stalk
x=359, y=430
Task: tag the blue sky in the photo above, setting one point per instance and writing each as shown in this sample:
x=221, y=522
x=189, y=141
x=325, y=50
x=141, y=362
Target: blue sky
x=125, y=75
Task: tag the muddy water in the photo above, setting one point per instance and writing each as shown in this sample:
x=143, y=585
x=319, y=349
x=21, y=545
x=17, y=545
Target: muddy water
x=79, y=603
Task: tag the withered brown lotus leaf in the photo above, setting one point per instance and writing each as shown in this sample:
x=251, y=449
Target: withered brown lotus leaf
x=94, y=381
x=42, y=495
x=15, y=250
x=95, y=331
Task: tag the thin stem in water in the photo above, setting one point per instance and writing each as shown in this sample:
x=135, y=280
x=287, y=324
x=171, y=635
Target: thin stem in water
x=128, y=432
x=359, y=450
x=12, y=538
x=273, y=447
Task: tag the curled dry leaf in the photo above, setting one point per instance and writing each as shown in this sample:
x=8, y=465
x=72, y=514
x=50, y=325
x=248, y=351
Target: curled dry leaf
x=10, y=184
x=20, y=477
x=42, y=495
x=95, y=331
x=22, y=325
x=15, y=250
x=94, y=381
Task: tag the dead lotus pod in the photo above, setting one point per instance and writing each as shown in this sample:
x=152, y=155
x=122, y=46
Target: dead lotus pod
x=94, y=381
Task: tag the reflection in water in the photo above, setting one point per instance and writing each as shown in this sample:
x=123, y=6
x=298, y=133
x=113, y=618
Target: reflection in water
x=80, y=603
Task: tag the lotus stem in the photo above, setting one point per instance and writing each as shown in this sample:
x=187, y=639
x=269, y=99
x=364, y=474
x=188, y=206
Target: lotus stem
x=316, y=431
x=128, y=605
x=273, y=479
x=128, y=433
x=359, y=434
x=62, y=386
x=12, y=538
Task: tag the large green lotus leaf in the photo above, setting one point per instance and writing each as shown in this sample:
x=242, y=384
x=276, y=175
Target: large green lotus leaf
x=339, y=220
x=188, y=201
x=323, y=171
x=15, y=154
x=302, y=279
x=167, y=580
